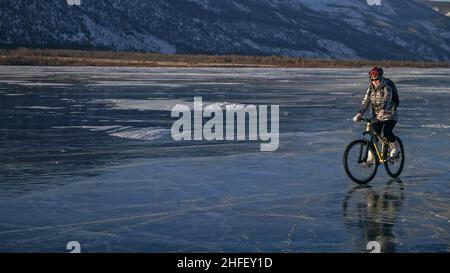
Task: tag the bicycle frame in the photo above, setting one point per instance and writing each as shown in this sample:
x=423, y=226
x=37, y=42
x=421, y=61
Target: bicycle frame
x=374, y=135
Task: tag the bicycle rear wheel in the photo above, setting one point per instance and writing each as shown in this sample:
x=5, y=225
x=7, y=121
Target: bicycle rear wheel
x=356, y=164
x=394, y=166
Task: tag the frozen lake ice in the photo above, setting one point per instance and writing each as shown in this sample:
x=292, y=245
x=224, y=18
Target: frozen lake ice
x=86, y=155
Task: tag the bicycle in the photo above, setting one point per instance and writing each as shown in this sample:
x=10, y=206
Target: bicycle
x=356, y=156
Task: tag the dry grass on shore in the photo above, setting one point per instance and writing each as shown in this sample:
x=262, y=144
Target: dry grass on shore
x=63, y=57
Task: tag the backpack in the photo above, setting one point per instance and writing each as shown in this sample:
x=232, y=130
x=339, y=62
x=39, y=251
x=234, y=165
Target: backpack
x=395, y=97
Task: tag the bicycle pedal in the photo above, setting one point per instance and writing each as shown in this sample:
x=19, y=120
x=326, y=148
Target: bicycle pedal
x=368, y=165
x=392, y=159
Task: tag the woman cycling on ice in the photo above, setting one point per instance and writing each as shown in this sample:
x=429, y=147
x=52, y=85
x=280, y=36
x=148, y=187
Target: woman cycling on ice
x=380, y=97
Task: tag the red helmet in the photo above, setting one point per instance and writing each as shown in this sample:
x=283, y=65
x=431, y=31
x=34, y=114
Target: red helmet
x=375, y=73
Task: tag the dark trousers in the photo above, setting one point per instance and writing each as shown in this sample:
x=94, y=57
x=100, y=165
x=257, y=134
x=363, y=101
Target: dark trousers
x=387, y=127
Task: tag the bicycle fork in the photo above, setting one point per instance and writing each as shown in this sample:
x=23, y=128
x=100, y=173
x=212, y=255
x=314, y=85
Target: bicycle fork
x=364, y=153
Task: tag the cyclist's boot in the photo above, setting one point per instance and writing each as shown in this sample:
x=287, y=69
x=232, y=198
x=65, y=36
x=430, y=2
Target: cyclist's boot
x=395, y=149
x=370, y=159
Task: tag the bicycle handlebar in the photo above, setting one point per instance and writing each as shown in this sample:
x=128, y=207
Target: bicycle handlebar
x=366, y=119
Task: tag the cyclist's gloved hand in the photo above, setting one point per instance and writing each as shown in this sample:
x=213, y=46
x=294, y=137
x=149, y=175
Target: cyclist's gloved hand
x=380, y=114
x=357, y=118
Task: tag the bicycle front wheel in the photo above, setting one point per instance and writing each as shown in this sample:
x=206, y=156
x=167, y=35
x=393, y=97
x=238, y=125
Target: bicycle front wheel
x=360, y=161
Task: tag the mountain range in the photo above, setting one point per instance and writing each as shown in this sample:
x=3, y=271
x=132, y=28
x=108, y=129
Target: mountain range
x=338, y=29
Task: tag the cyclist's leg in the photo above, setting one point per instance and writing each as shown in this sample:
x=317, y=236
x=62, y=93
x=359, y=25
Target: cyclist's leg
x=378, y=127
x=389, y=135
x=388, y=127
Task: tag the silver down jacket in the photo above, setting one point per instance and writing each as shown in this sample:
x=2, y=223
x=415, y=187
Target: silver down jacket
x=380, y=98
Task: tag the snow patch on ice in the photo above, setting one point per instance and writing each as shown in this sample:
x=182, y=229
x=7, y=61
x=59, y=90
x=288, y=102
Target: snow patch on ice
x=90, y=128
x=126, y=132
x=135, y=83
x=140, y=133
x=142, y=105
x=436, y=126
x=159, y=105
x=39, y=107
x=241, y=7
